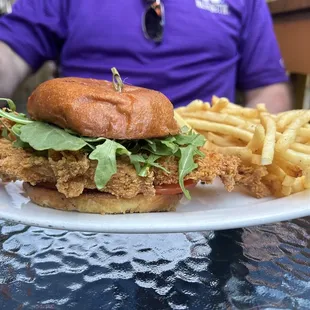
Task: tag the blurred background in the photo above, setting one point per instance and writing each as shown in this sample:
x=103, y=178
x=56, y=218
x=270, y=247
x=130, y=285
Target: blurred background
x=46, y=72
x=292, y=26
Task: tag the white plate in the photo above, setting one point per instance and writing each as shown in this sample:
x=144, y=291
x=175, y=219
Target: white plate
x=211, y=208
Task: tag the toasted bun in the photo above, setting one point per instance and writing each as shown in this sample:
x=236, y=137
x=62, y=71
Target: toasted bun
x=97, y=202
x=93, y=108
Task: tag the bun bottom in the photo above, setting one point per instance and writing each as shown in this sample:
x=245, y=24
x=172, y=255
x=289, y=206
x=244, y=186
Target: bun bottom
x=102, y=203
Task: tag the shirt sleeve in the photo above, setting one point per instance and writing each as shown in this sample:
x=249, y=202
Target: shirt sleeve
x=260, y=62
x=35, y=30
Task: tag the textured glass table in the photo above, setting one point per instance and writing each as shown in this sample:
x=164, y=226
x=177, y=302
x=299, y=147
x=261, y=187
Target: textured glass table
x=265, y=267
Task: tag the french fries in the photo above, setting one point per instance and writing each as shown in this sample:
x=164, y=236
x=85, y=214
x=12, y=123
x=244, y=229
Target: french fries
x=180, y=120
x=236, y=132
x=299, y=185
x=307, y=178
x=218, y=104
x=286, y=118
x=221, y=141
x=280, y=142
x=290, y=133
x=257, y=142
x=302, y=148
x=243, y=153
x=215, y=117
x=270, y=139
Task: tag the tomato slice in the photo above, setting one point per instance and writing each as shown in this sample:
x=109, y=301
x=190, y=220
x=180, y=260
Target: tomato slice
x=173, y=189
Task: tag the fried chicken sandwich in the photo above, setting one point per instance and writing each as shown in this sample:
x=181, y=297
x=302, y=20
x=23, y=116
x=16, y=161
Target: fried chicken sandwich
x=104, y=147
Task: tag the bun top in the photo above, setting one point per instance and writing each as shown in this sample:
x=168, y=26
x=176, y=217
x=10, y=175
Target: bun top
x=94, y=108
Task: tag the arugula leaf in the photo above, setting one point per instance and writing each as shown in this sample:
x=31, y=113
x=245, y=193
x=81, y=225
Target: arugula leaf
x=158, y=148
x=149, y=141
x=199, y=141
x=92, y=140
x=136, y=160
x=147, y=161
x=105, y=154
x=70, y=131
x=186, y=166
x=199, y=153
x=42, y=136
x=150, y=161
x=18, y=143
x=185, y=146
x=144, y=170
x=170, y=143
x=191, y=138
x=89, y=140
x=150, y=146
x=10, y=103
x=16, y=129
x=17, y=118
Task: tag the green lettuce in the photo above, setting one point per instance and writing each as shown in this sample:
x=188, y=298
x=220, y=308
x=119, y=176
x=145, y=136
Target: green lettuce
x=142, y=163
x=105, y=154
x=186, y=165
x=41, y=136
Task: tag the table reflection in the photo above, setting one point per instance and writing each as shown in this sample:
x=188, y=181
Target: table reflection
x=252, y=268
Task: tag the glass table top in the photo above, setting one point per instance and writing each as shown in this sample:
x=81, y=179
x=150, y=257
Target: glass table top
x=264, y=267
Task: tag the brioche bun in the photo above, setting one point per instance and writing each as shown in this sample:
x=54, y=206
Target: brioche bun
x=94, y=108
x=98, y=202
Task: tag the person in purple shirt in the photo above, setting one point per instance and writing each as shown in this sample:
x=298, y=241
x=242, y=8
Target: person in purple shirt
x=185, y=49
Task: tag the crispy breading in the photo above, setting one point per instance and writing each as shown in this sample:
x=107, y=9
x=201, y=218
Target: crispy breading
x=5, y=123
x=69, y=169
x=229, y=168
x=128, y=182
x=19, y=164
x=209, y=167
x=73, y=172
x=251, y=177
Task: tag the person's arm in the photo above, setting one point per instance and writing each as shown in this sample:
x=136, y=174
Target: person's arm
x=277, y=97
x=261, y=74
x=29, y=36
x=13, y=70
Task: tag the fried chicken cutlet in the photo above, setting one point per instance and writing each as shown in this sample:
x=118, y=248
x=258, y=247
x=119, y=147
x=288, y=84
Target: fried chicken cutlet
x=73, y=172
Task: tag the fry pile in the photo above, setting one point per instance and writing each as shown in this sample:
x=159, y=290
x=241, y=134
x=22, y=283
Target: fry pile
x=279, y=142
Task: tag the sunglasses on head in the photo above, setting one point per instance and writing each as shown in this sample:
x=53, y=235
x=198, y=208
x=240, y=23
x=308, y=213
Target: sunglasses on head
x=153, y=20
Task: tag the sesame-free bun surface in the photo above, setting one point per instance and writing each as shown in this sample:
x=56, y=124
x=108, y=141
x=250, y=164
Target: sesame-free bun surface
x=98, y=202
x=94, y=108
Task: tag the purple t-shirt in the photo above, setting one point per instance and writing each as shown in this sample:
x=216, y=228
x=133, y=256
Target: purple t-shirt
x=209, y=46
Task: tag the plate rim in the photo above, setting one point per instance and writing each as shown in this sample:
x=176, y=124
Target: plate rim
x=125, y=223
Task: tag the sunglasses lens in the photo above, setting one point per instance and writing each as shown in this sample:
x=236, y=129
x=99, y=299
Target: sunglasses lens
x=153, y=23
